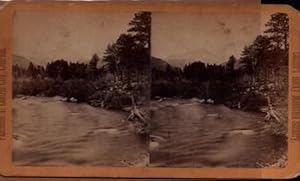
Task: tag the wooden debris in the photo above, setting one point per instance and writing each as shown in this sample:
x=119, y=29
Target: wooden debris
x=136, y=113
x=271, y=113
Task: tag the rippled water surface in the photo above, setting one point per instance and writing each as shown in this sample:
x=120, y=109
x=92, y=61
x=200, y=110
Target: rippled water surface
x=189, y=134
x=185, y=133
x=49, y=131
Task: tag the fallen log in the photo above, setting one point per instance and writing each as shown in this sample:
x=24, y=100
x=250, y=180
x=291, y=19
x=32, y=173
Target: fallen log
x=271, y=113
x=136, y=113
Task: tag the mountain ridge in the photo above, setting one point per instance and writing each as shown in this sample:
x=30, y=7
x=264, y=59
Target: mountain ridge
x=21, y=61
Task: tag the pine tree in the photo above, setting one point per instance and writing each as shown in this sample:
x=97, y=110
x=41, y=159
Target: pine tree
x=278, y=33
x=140, y=28
x=111, y=57
x=278, y=30
x=92, y=67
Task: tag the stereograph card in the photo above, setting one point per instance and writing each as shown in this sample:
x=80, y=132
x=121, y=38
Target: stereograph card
x=149, y=89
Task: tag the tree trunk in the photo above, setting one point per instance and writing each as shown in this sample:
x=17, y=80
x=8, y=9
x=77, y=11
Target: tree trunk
x=117, y=72
x=128, y=78
x=253, y=74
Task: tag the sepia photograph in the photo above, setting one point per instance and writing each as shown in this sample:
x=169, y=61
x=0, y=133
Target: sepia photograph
x=142, y=89
x=150, y=90
x=219, y=91
x=81, y=88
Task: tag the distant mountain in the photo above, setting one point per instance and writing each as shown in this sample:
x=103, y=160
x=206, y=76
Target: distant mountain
x=207, y=56
x=161, y=65
x=179, y=62
x=20, y=61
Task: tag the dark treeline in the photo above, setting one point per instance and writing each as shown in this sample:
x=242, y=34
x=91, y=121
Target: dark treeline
x=60, y=70
x=123, y=73
x=196, y=79
x=247, y=82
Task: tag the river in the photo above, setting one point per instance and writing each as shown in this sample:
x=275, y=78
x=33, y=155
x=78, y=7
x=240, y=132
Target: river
x=187, y=133
x=184, y=133
x=49, y=131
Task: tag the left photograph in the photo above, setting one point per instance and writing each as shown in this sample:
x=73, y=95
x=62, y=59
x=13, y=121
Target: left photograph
x=81, y=88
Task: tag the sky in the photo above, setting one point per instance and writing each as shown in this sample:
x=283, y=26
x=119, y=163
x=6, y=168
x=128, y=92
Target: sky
x=46, y=36
x=180, y=38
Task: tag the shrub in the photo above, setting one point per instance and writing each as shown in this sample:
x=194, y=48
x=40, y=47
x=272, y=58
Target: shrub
x=190, y=91
x=163, y=89
x=53, y=88
x=77, y=88
x=252, y=101
x=116, y=99
x=32, y=87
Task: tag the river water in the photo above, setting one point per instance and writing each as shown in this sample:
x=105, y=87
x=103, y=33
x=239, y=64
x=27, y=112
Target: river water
x=49, y=131
x=187, y=133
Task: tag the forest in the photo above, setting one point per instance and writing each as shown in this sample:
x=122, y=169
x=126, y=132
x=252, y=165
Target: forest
x=257, y=81
x=121, y=82
x=129, y=77
x=125, y=67
x=261, y=67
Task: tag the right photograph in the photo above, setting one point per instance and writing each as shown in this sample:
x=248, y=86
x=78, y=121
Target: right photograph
x=219, y=95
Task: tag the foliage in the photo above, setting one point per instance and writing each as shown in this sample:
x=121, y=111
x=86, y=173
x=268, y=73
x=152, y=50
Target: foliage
x=264, y=60
x=79, y=89
x=278, y=30
x=127, y=61
x=92, y=71
x=57, y=69
x=129, y=56
x=35, y=87
x=77, y=71
x=196, y=71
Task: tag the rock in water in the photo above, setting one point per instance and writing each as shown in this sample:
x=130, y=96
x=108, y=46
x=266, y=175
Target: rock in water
x=153, y=145
x=210, y=101
x=73, y=99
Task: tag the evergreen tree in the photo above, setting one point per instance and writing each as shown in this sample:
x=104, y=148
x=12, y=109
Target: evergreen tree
x=111, y=56
x=92, y=67
x=126, y=46
x=278, y=30
x=140, y=28
x=32, y=71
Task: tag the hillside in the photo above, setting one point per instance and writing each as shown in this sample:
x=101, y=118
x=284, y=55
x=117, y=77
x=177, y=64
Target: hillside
x=160, y=64
x=20, y=61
